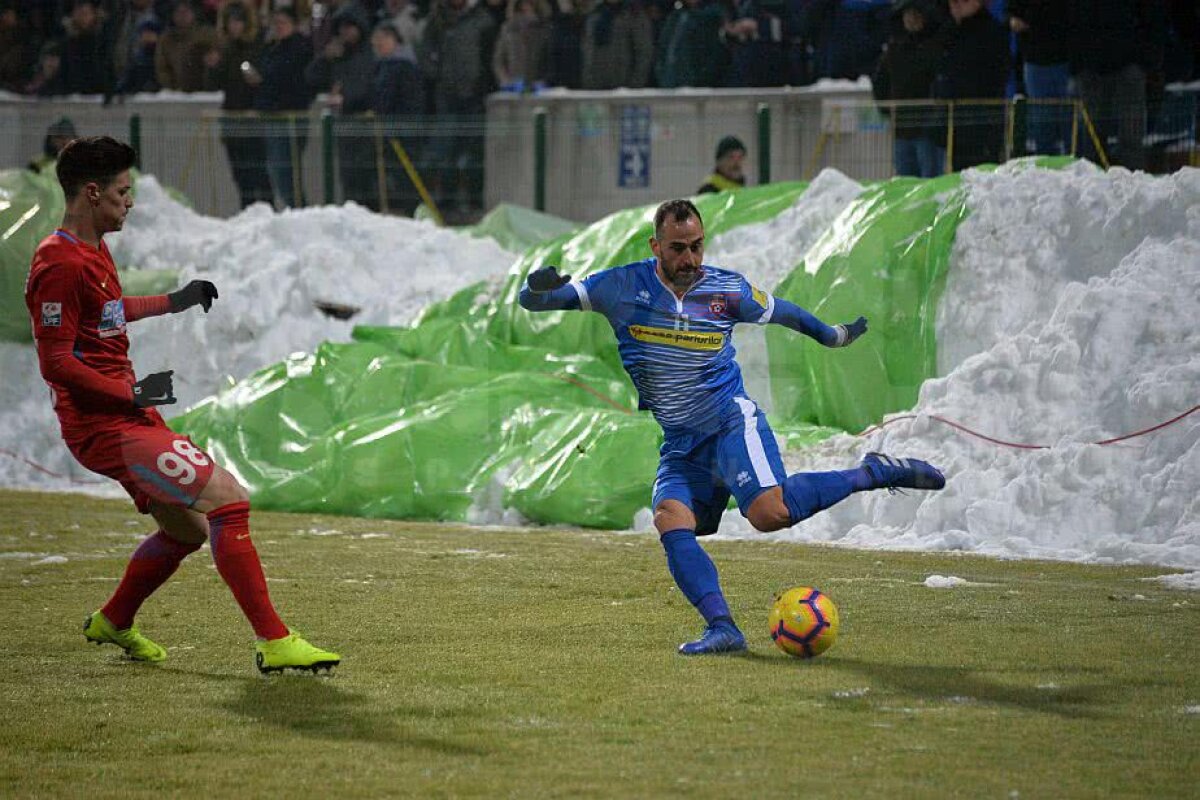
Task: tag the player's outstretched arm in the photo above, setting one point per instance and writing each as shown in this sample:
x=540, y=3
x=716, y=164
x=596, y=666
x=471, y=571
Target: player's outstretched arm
x=793, y=316
x=196, y=293
x=546, y=290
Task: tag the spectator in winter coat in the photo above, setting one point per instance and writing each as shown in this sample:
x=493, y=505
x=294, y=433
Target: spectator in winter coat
x=124, y=31
x=1041, y=29
x=1114, y=45
x=346, y=66
x=60, y=132
x=179, y=59
x=452, y=57
x=398, y=97
x=564, y=56
x=285, y=97
x=690, y=50
x=728, y=173
x=85, y=64
x=520, y=56
x=408, y=22
x=47, y=80
x=229, y=69
x=346, y=69
x=758, y=44
x=849, y=36
x=140, y=74
x=17, y=49
x=975, y=68
x=906, y=72
x=324, y=30
x=618, y=46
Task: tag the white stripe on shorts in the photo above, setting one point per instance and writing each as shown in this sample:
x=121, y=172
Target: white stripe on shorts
x=754, y=445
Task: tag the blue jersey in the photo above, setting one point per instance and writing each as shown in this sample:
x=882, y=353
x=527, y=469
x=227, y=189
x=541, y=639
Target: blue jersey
x=678, y=352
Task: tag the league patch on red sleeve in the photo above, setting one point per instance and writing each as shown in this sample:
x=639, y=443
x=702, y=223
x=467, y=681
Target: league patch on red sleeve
x=51, y=315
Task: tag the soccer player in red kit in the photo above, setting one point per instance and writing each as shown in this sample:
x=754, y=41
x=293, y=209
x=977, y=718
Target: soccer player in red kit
x=110, y=425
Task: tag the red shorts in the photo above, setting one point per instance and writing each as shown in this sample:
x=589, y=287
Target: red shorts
x=149, y=459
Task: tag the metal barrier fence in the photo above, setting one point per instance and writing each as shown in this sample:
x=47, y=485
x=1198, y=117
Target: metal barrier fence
x=584, y=154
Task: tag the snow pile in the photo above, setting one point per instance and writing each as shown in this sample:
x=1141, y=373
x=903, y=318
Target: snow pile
x=944, y=581
x=1069, y=318
x=270, y=267
x=1189, y=581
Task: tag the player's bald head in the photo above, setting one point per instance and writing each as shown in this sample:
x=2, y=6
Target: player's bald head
x=675, y=211
x=92, y=159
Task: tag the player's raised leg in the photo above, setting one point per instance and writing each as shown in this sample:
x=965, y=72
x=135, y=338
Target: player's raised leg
x=227, y=507
x=696, y=576
x=806, y=493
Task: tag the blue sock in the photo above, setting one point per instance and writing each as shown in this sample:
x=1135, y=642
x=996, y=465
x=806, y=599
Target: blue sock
x=695, y=574
x=806, y=493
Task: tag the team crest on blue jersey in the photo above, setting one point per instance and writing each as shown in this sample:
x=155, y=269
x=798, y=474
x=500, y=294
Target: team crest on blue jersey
x=643, y=297
x=51, y=315
x=112, y=319
x=717, y=305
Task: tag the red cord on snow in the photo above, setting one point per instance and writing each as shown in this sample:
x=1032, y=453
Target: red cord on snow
x=959, y=426
x=42, y=469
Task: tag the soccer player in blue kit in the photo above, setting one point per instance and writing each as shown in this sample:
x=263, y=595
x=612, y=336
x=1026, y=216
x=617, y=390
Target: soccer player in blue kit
x=673, y=317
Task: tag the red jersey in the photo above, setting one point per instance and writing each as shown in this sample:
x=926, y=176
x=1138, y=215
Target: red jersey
x=74, y=299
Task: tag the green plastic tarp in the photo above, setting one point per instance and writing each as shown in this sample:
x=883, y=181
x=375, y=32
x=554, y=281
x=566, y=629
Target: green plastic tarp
x=516, y=229
x=886, y=258
x=478, y=404
x=31, y=206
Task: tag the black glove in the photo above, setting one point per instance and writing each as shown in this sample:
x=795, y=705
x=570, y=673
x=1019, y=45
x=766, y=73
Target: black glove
x=850, y=331
x=196, y=293
x=546, y=279
x=154, y=390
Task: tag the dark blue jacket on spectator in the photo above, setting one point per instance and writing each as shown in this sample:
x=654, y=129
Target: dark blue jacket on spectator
x=398, y=88
x=1109, y=35
x=761, y=60
x=975, y=67
x=283, y=87
x=849, y=36
x=1046, y=40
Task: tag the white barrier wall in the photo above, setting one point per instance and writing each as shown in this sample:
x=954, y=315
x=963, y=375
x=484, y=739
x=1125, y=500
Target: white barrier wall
x=607, y=151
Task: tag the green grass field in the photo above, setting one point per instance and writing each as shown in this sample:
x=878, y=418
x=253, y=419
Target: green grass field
x=535, y=663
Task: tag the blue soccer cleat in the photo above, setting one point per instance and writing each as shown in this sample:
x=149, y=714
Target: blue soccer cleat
x=902, y=473
x=720, y=637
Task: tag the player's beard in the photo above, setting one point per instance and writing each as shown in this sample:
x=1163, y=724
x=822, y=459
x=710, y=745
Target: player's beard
x=682, y=278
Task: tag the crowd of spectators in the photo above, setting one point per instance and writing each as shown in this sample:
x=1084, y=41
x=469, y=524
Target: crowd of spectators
x=443, y=57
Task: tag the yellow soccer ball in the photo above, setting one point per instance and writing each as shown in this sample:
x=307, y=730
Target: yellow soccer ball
x=804, y=622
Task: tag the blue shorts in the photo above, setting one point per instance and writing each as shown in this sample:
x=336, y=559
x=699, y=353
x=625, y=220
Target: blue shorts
x=702, y=469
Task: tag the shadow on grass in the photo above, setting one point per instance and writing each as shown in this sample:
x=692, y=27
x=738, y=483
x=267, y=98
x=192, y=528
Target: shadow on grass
x=943, y=683
x=317, y=708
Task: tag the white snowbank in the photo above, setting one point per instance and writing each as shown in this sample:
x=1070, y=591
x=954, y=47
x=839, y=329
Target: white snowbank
x=1069, y=318
x=1189, y=581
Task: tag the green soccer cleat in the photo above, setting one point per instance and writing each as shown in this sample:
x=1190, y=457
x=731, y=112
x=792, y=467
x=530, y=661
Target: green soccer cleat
x=97, y=628
x=292, y=652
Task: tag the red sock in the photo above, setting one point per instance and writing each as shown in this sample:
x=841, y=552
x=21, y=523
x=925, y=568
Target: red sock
x=237, y=561
x=155, y=560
